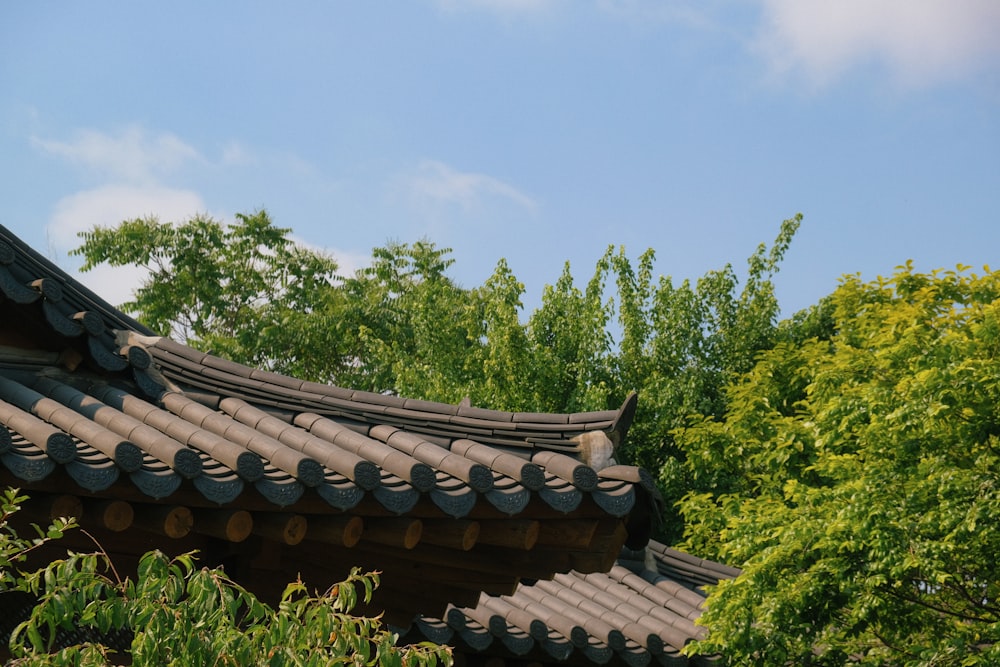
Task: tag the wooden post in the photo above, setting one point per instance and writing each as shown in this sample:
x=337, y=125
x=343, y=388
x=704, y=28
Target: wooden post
x=340, y=530
x=229, y=525
x=172, y=521
x=400, y=533
x=456, y=534
x=281, y=527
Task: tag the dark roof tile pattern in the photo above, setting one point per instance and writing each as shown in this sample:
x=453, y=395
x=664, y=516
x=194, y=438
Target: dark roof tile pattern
x=22, y=269
x=640, y=612
x=521, y=430
x=183, y=437
x=93, y=423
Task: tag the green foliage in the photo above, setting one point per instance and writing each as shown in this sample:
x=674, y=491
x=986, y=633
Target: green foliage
x=681, y=345
x=244, y=291
x=180, y=614
x=856, y=478
x=14, y=549
x=847, y=458
x=570, y=366
x=410, y=328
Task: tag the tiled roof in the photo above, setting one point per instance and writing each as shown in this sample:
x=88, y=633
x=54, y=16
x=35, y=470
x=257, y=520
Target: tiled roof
x=101, y=433
x=642, y=611
x=447, y=500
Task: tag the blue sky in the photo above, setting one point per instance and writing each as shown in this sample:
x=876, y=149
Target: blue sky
x=539, y=131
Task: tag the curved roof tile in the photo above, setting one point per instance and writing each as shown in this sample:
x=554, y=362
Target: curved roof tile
x=642, y=611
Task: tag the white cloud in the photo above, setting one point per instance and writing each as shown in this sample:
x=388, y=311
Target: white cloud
x=110, y=204
x=114, y=284
x=236, y=154
x=919, y=42
x=134, y=167
x=348, y=262
x=132, y=155
x=437, y=183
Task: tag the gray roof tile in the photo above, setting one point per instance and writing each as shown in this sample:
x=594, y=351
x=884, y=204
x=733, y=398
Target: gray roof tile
x=616, y=616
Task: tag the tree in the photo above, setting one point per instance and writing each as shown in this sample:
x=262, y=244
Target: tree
x=411, y=328
x=680, y=347
x=571, y=347
x=243, y=291
x=855, y=477
x=179, y=614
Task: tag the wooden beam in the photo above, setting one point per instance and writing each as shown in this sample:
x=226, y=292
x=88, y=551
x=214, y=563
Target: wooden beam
x=614, y=543
x=42, y=508
x=456, y=534
x=510, y=563
x=396, y=565
x=571, y=534
x=400, y=533
x=114, y=515
x=282, y=527
x=513, y=533
x=229, y=525
x=342, y=531
x=174, y=522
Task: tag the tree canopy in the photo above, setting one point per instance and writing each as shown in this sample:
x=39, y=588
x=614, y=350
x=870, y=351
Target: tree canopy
x=855, y=477
x=242, y=290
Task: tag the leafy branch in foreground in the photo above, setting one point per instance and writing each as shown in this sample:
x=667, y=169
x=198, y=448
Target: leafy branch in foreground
x=14, y=549
x=179, y=614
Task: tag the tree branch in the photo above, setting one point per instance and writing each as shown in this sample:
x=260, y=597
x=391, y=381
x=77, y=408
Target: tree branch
x=932, y=607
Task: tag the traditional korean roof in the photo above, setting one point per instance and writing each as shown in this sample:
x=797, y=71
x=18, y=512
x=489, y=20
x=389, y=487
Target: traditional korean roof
x=642, y=611
x=142, y=436
x=284, y=441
